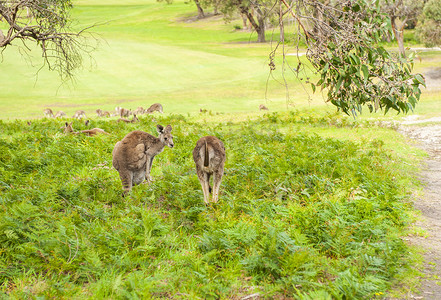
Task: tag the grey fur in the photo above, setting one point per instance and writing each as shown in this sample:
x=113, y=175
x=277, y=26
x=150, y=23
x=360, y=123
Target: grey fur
x=133, y=155
x=209, y=157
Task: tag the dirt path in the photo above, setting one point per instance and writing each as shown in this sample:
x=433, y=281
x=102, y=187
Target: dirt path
x=429, y=203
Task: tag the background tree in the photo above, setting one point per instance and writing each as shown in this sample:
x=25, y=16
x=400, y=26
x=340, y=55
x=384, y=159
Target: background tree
x=211, y=3
x=45, y=23
x=256, y=11
x=400, y=13
x=201, y=13
x=429, y=28
x=344, y=47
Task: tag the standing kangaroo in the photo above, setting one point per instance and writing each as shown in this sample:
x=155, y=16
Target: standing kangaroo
x=209, y=157
x=133, y=155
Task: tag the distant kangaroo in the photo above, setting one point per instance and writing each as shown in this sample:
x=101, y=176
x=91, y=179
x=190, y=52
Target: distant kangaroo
x=155, y=107
x=79, y=114
x=102, y=113
x=133, y=120
x=91, y=132
x=209, y=157
x=139, y=111
x=124, y=112
x=48, y=113
x=133, y=155
x=60, y=114
x=263, y=107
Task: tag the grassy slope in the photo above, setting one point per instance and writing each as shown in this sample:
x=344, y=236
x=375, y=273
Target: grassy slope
x=145, y=58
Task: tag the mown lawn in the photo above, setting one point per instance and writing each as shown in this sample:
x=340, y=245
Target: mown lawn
x=148, y=52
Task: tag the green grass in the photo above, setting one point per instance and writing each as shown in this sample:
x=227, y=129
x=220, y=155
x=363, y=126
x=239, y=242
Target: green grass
x=148, y=53
x=300, y=214
x=313, y=204
x=154, y=52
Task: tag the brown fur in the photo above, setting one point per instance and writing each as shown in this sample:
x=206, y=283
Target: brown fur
x=139, y=111
x=133, y=120
x=209, y=157
x=48, y=113
x=133, y=155
x=102, y=113
x=124, y=113
x=155, y=107
x=90, y=132
x=79, y=114
x=60, y=114
x=263, y=107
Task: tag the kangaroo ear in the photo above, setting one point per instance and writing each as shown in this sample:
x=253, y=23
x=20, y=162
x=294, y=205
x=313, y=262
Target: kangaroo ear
x=66, y=124
x=168, y=128
x=159, y=128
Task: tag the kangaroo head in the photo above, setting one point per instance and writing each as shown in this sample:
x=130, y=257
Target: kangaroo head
x=165, y=135
x=68, y=127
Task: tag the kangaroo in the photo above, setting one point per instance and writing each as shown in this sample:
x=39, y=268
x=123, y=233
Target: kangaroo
x=102, y=113
x=79, y=114
x=139, y=111
x=90, y=132
x=155, y=107
x=209, y=157
x=117, y=111
x=263, y=107
x=48, y=113
x=124, y=113
x=133, y=120
x=60, y=114
x=133, y=155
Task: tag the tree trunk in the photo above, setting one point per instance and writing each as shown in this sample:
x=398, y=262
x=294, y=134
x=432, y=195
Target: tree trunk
x=261, y=29
x=399, y=35
x=281, y=25
x=258, y=26
x=201, y=14
x=216, y=7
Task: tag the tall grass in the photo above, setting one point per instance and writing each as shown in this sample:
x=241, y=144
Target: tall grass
x=299, y=215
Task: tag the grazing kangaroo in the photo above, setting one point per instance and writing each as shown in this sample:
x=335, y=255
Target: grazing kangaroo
x=133, y=155
x=48, y=113
x=102, y=113
x=124, y=113
x=263, y=107
x=155, y=107
x=139, y=111
x=133, y=120
x=90, y=132
x=79, y=114
x=209, y=157
x=60, y=114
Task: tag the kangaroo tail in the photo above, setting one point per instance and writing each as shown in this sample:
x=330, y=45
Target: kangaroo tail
x=206, y=158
